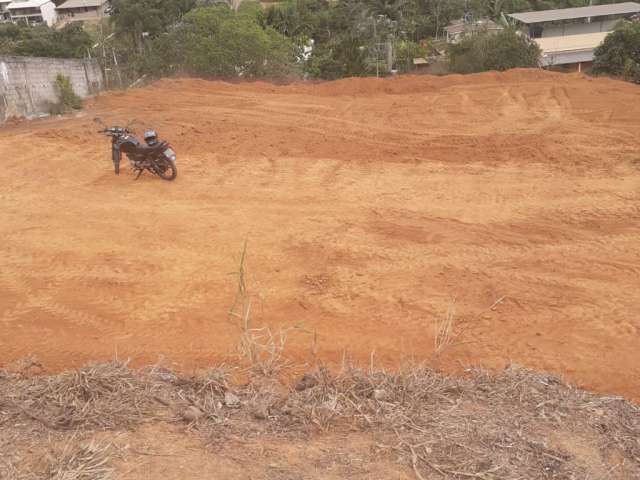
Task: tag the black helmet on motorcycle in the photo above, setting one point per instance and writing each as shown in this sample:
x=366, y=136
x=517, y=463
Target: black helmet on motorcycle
x=151, y=137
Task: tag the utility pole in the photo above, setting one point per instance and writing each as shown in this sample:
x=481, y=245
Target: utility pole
x=117, y=67
x=375, y=43
x=104, y=53
x=102, y=40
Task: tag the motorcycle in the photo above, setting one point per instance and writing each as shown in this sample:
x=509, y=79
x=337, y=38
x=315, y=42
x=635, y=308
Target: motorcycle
x=158, y=158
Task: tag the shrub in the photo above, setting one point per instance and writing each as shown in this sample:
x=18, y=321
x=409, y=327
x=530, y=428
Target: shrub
x=339, y=58
x=619, y=54
x=502, y=51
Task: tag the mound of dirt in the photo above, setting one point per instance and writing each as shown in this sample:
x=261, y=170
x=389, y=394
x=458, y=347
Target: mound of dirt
x=506, y=203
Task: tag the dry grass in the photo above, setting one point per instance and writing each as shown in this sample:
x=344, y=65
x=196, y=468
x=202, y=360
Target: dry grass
x=444, y=335
x=261, y=347
x=485, y=426
x=489, y=426
x=106, y=395
x=264, y=349
x=87, y=461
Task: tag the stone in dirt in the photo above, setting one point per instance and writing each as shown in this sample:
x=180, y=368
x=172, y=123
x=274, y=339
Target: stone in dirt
x=307, y=381
x=259, y=410
x=231, y=400
x=192, y=414
x=381, y=395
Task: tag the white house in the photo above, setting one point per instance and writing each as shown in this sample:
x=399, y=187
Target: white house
x=569, y=36
x=33, y=12
x=82, y=10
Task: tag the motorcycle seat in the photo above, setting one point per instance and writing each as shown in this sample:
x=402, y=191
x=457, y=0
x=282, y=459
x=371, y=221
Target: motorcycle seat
x=146, y=149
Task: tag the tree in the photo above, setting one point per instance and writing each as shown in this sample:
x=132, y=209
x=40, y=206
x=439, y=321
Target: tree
x=217, y=41
x=619, y=54
x=41, y=41
x=132, y=18
x=440, y=13
x=502, y=51
x=297, y=18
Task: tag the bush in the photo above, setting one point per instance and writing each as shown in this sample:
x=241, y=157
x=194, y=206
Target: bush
x=502, y=51
x=619, y=54
x=406, y=51
x=67, y=98
x=339, y=58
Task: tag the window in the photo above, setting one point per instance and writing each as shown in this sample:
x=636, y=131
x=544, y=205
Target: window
x=535, y=31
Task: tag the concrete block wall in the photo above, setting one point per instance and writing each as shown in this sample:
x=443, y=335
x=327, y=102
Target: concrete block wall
x=27, y=84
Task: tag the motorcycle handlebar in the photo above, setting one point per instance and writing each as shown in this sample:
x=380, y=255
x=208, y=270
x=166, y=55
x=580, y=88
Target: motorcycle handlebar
x=113, y=130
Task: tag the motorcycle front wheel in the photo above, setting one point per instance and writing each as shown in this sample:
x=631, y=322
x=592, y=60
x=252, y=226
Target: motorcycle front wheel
x=166, y=169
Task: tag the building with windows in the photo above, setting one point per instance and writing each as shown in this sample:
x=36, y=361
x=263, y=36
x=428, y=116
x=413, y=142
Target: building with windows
x=82, y=10
x=33, y=12
x=568, y=37
x=465, y=27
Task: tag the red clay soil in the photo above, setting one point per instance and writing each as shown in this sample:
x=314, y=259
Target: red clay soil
x=370, y=207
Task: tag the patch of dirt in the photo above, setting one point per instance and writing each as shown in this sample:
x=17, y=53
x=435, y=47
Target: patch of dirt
x=369, y=206
x=163, y=451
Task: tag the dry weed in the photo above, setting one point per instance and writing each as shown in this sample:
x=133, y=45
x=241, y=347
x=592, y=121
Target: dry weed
x=484, y=425
x=444, y=334
x=262, y=347
x=87, y=461
x=106, y=395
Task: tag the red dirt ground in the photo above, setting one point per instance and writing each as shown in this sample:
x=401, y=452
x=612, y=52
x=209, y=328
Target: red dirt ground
x=369, y=205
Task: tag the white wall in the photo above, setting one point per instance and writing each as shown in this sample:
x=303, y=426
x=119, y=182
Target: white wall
x=49, y=13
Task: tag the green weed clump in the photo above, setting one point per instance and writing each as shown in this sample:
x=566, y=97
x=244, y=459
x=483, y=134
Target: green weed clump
x=67, y=98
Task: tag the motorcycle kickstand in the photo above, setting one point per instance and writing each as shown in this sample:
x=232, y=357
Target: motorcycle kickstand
x=139, y=173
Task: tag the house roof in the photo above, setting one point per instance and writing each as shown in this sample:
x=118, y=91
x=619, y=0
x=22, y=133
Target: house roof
x=571, y=43
x=574, y=13
x=27, y=4
x=81, y=4
x=459, y=26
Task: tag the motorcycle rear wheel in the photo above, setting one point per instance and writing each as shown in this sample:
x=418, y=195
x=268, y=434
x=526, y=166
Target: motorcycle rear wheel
x=166, y=169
